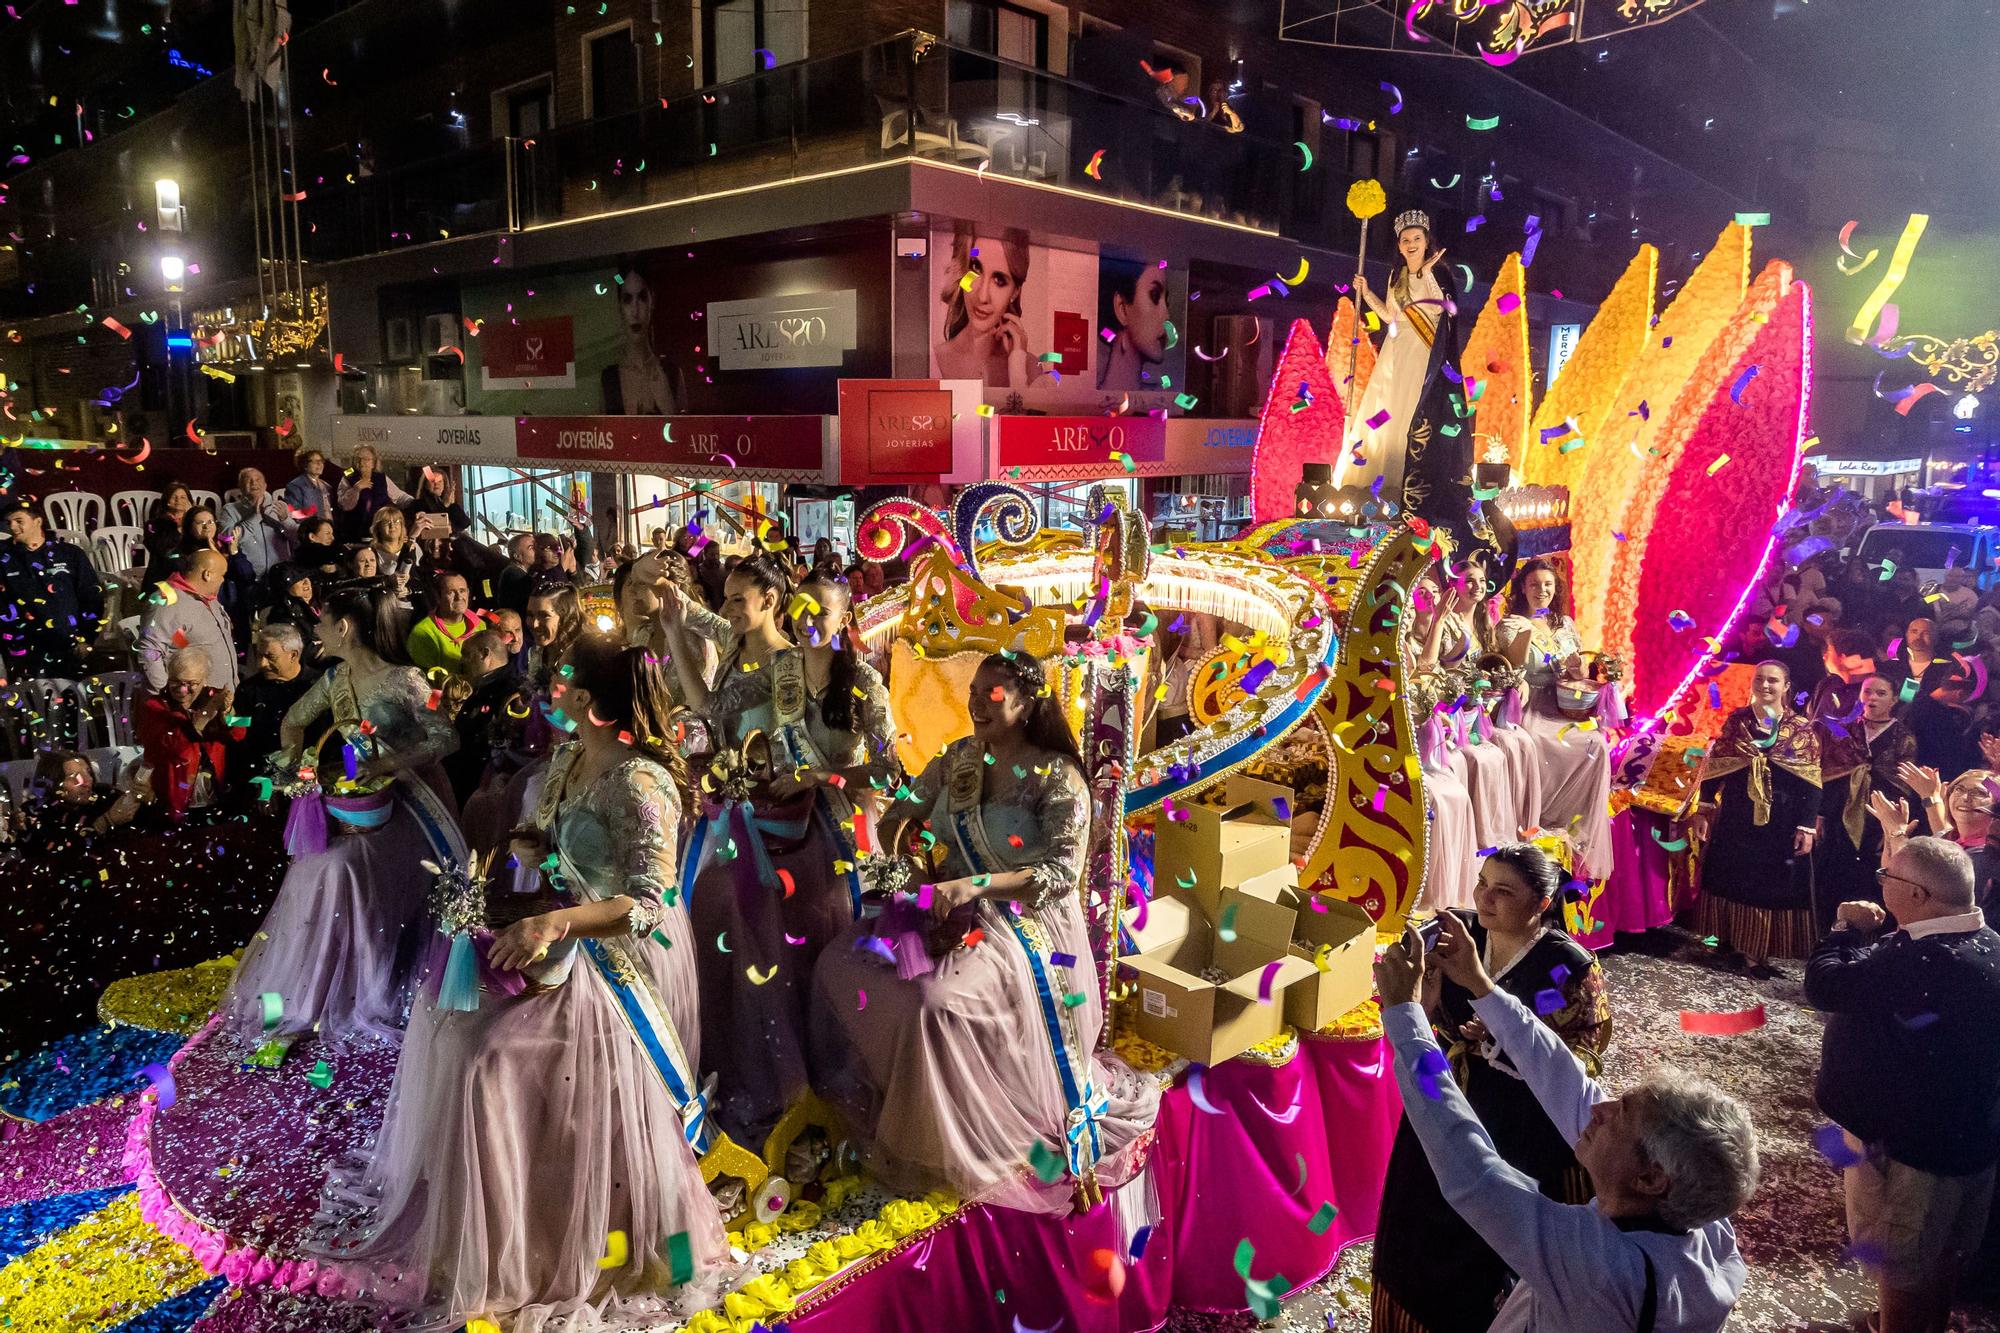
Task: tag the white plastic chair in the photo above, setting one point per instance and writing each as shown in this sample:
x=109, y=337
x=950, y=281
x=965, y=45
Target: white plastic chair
x=116, y=549
x=209, y=499
x=109, y=761
x=72, y=536
x=78, y=511
x=112, y=696
x=45, y=698
x=232, y=495
x=132, y=508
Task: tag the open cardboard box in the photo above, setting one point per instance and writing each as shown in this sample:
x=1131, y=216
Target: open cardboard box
x=1342, y=953
x=1245, y=838
x=1209, y=1021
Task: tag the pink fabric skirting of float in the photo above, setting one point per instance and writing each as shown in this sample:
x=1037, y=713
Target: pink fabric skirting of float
x=1245, y=1151
x=1279, y=1142
x=1648, y=885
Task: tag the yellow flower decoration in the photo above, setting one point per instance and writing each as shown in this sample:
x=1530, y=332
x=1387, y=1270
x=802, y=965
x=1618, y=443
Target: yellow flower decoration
x=802, y=1215
x=824, y=1255
x=803, y=1275
x=906, y=1217
x=708, y=1321
x=875, y=1236
x=839, y=1190
x=944, y=1203
x=1365, y=199
x=96, y=1274
x=852, y=1247
x=773, y=1292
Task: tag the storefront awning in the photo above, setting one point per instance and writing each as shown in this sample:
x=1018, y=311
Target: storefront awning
x=1091, y=448
x=734, y=448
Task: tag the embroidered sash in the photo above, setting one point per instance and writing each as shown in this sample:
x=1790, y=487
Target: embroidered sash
x=1084, y=1104
x=632, y=989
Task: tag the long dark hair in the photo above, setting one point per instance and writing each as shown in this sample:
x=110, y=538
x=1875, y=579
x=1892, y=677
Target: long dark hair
x=569, y=618
x=628, y=686
x=1539, y=869
x=382, y=626
x=836, y=707
x=1560, y=609
x=1047, y=724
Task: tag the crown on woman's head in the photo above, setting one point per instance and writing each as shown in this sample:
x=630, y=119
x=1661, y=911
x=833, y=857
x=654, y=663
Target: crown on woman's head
x=1415, y=217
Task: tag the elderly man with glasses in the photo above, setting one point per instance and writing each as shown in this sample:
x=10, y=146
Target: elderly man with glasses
x=1910, y=1072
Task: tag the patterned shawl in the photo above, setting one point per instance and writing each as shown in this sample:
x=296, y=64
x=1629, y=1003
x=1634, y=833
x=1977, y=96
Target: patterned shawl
x=1793, y=745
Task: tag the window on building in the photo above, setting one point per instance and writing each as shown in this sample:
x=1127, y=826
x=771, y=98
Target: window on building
x=1011, y=32
x=613, y=63
x=735, y=32
x=529, y=109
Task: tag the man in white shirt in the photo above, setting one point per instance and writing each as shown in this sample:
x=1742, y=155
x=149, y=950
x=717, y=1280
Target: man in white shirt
x=1654, y=1251
x=258, y=522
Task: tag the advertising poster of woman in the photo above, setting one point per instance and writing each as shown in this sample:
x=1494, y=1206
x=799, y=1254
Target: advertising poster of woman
x=1138, y=339
x=638, y=383
x=985, y=334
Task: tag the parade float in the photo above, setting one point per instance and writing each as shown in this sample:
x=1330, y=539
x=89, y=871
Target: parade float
x=1238, y=877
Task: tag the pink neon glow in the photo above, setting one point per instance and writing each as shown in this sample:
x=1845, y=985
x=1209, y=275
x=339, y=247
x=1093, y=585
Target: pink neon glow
x=1650, y=724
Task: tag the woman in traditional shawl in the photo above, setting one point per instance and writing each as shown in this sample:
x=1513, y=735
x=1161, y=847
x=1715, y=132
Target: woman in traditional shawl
x=1759, y=807
x=1861, y=750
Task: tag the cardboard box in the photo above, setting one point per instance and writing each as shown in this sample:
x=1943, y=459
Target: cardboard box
x=1209, y=1021
x=1343, y=958
x=1223, y=847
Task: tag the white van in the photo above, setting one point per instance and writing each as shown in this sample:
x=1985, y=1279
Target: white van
x=1929, y=548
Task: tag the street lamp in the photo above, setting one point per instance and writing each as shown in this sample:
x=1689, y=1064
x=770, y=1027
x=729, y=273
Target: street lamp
x=173, y=269
x=167, y=201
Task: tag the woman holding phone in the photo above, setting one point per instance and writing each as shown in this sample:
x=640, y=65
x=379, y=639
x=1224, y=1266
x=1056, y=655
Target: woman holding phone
x=1433, y=1274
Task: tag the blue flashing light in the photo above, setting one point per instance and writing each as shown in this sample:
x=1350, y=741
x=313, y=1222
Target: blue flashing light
x=180, y=342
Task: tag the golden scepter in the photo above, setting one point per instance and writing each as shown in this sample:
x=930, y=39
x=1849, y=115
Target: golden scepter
x=1365, y=199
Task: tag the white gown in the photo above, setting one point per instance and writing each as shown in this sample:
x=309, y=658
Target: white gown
x=1394, y=387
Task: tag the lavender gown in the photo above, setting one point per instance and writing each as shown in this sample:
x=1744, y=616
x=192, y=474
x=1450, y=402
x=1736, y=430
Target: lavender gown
x=1576, y=764
x=519, y=1136
x=948, y=1078
x=767, y=895
x=341, y=943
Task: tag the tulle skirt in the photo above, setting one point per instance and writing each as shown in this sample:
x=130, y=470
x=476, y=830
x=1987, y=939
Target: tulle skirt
x=1453, y=865
x=1524, y=770
x=1576, y=781
x=757, y=941
x=1489, y=781
x=948, y=1079
x=518, y=1138
x=340, y=945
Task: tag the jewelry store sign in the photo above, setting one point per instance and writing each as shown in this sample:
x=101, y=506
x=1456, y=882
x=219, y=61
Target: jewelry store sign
x=782, y=332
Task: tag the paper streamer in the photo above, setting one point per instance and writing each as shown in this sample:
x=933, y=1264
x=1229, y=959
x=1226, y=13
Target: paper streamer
x=1899, y=268
x=1724, y=1024
x=162, y=1080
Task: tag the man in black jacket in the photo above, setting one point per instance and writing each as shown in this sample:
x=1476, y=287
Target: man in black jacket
x=1910, y=1071
x=50, y=602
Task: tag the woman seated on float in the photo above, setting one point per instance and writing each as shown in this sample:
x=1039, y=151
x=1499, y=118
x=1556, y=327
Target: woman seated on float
x=770, y=875
x=958, y=1032
x=337, y=951
x=561, y=1108
x=1540, y=636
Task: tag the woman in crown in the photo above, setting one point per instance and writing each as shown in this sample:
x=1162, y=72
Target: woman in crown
x=1394, y=434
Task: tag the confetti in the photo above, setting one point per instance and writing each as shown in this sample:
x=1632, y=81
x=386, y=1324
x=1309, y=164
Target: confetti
x=616, y=1251
x=1899, y=267
x=1322, y=1218
x=162, y=1080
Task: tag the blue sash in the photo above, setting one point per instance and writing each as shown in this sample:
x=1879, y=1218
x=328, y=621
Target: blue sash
x=1084, y=1105
x=655, y=1032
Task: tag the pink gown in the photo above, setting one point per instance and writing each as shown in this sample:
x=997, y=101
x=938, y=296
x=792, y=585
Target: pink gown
x=950, y=1077
x=520, y=1136
x=339, y=947
x=1575, y=762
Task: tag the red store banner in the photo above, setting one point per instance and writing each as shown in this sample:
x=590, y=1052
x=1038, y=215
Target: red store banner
x=1074, y=448
x=909, y=432
x=777, y=448
x=528, y=354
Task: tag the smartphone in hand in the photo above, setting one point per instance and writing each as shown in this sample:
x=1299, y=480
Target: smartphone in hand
x=1429, y=932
